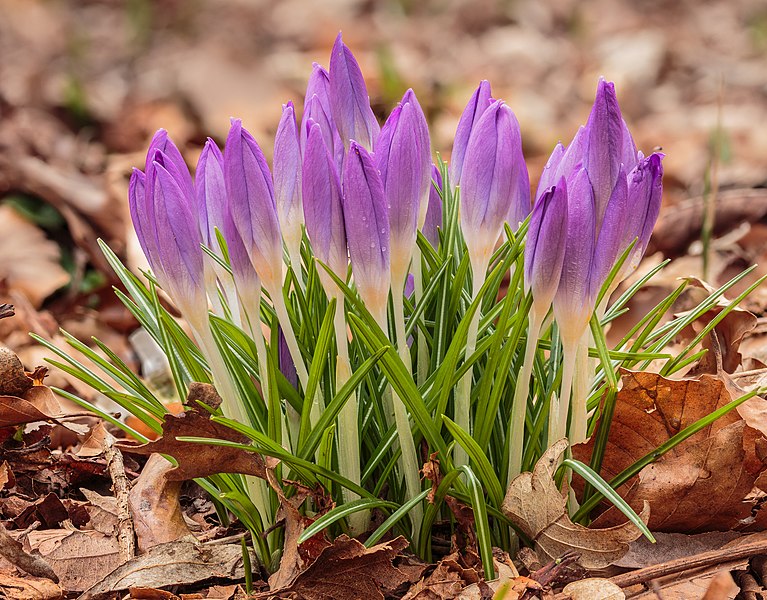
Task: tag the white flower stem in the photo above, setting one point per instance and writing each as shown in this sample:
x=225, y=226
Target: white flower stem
x=463, y=393
x=521, y=393
x=409, y=459
x=294, y=256
x=581, y=385
x=348, y=419
x=559, y=410
x=232, y=408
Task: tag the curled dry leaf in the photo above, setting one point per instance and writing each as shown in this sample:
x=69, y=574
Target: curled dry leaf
x=594, y=588
x=155, y=505
x=28, y=588
x=175, y=563
x=347, y=570
x=539, y=509
x=200, y=460
x=704, y=483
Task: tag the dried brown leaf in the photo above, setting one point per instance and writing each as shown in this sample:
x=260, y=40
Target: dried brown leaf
x=703, y=483
x=155, y=505
x=347, y=570
x=200, y=460
x=175, y=563
x=539, y=509
x=28, y=588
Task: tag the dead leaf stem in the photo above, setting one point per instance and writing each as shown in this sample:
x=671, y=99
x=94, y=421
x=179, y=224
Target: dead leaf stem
x=126, y=535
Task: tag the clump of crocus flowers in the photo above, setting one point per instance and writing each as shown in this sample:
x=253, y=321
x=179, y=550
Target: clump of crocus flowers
x=353, y=203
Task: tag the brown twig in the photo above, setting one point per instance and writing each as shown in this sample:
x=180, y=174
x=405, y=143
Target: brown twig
x=126, y=536
x=13, y=551
x=704, y=559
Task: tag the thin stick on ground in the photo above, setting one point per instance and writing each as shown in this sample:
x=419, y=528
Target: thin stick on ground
x=126, y=535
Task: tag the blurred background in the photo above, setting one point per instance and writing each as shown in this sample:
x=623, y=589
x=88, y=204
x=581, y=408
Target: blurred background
x=84, y=84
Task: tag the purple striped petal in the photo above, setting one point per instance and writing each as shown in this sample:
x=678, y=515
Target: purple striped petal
x=544, y=251
x=572, y=308
x=211, y=192
x=349, y=99
x=612, y=239
x=367, y=228
x=494, y=181
x=251, y=201
x=287, y=176
x=479, y=102
x=549, y=173
x=323, y=209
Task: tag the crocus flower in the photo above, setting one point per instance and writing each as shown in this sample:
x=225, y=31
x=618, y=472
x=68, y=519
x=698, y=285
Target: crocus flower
x=251, y=201
x=349, y=99
x=287, y=182
x=323, y=209
x=545, y=250
x=287, y=366
x=480, y=100
x=572, y=305
x=494, y=181
x=210, y=192
x=403, y=159
x=172, y=236
x=433, y=219
x=367, y=229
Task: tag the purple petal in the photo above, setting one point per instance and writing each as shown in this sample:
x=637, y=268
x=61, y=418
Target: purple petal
x=612, y=240
x=495, y=183
x=251, y=201
x=287, y=366
x=319, y=85
x=422, y=128
x=479, y=102
x=142, y=216
x=323, y=210
x=545, y=252
x=177, y=236
x=349, y=99
x=175, y=162
x=571, y=302
x=405, y=167
x=433, y=221
x=211, y=192
x=605, y=147
x=547, y=179
x=367, y=227
x=287, y=175
x=645, y=189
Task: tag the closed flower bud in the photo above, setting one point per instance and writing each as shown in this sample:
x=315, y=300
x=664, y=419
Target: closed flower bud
x=478, y=103
x=287, y=180
x=349, y=99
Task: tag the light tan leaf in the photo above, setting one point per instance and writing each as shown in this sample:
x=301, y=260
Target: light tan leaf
x=28, y=588
x=594, y=588
x=539, y=509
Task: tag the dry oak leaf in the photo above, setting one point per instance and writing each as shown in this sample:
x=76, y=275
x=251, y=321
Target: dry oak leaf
x=28, y=588
x=704, y=483
x=347, y=570
x=539, y=509
x=175, y=563
x=200, y=460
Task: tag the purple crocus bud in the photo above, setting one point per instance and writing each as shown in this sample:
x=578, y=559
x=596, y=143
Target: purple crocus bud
x=367, y=229
x=422, y=129
x=287, y=181
x=494, y=181
x=319, y=85
x=404, y=163
x=613, y=237
x=544, y=251
x=211, y=192
x=645, y=189
x=142, y=216
x=572, y=306
x=434, y=210
x=549, y=173
x=177, y=236
x=349, y=99
x=323, y=209
x=174, y=161
x=480, y=100
x=251, y=201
